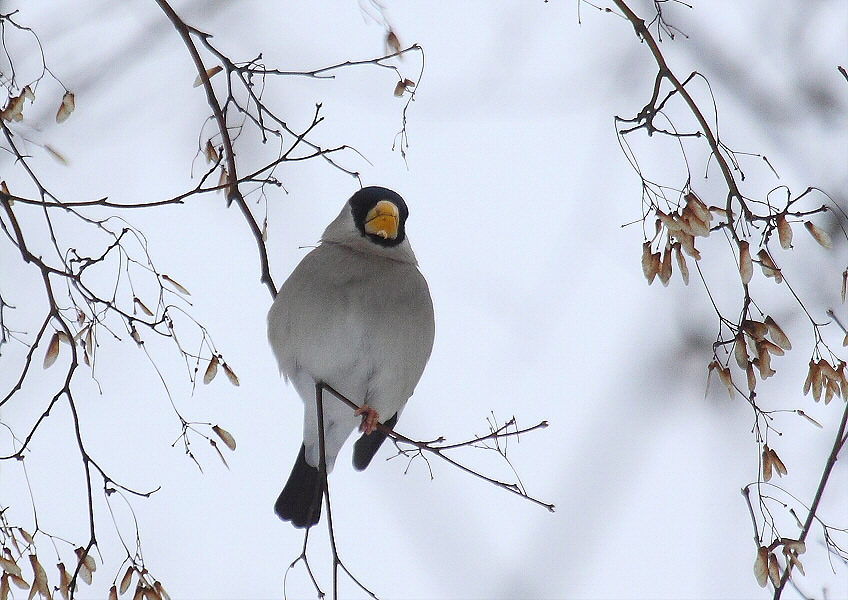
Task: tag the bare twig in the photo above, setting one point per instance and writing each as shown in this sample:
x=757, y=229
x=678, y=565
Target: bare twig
x=747, y=223
x=838, y=445
x=439, y=450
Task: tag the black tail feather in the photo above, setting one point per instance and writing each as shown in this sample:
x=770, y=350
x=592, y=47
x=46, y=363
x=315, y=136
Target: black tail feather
x=367, y=445
x=300, y=500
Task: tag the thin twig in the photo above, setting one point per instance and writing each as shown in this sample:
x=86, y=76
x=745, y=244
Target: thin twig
x=838, y=444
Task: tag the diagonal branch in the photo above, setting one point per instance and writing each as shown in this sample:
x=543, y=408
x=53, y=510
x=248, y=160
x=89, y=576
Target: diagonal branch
x=438, y=450
x=233, y=192
x=644, y=34
x=838, y=445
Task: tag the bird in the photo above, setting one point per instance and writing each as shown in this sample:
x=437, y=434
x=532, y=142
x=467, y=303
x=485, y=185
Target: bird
x=356, y=315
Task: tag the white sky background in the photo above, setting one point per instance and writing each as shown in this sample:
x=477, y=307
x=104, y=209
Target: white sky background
x=517, y=190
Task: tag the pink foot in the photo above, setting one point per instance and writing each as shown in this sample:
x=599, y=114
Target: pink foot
x=370, y=418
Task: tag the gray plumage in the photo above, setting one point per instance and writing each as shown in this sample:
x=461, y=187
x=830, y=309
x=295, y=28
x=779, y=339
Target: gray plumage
x=355, y=314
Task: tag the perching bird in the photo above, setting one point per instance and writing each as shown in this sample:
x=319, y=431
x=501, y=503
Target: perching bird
x=355, y=314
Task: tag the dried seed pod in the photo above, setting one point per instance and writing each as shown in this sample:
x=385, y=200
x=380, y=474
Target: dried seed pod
x=809, y=418
x=225, y=436
x=176, y=285
x=656, y=260
x=39, y=583
x=767, y=463
x=211, y=370
x=771, y=348
x=56, y=154
x=402, y=86
x=5, y=588
x=64, y=581
x=761, y=566
x=392, y=42
x=52, y=351
x=764, y=362
x=231, y=375
x=681, y=263
x=739, y=351
x=87, y=566
x=726, y=379
x=212, y=156
x=214, y=444
x=26, y=535
x=719, y=212
x=161, y=590
x=113, y=593
x=665, y=266
x=821, y=384
x=784, y=232
x=797, y=546
x=89, y=344
x=223, y=180
x=693, y=224
x=768, y=266
x=828, y=370
x=648, y=263
x=794, y=561
x=844, y=287
x=752, y=379
x=137, y=302
x=819, y=234
x=687, y=242
x=755, y=329
x=211, y=72
x=746, y=265
x=18, y=581
x=150, y=594
x=843, y=382
x=779, y=467
x=90, y=563
x=812, y=374
x=774, y=570
x=818, y=383
x=670, y=222
x=777, y=334
x=699, y=209
x=10, y=566
x=831, y=390
x=14, y=109
x=66, y=108
x=126, y=580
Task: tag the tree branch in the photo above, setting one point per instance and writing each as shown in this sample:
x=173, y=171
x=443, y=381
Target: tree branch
x=838, y=444
x=232, y=190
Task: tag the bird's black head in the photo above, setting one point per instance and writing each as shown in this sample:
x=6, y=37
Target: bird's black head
x=380, y=215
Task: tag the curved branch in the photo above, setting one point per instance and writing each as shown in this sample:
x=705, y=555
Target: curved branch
x=665, y=72
x=233, y=192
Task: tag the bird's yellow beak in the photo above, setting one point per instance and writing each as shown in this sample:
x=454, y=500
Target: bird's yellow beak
x=383, y=220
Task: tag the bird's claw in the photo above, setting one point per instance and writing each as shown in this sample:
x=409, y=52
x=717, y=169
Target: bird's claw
x=370, y=418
